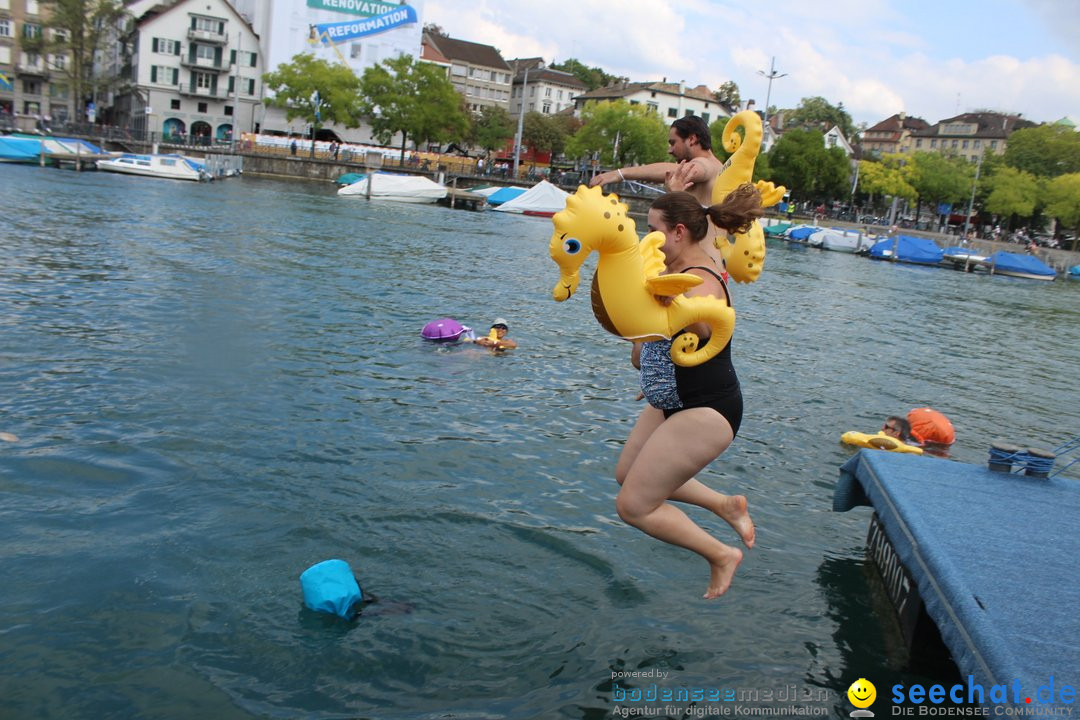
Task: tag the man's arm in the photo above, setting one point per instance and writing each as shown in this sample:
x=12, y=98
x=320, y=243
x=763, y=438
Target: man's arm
x=653, y=172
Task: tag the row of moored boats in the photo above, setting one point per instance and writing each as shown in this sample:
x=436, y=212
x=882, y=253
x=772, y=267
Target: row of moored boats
x=914, y=250
x=31, y=149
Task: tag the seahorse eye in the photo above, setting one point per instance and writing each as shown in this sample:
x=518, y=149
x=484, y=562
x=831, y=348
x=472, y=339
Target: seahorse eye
x=572, y=246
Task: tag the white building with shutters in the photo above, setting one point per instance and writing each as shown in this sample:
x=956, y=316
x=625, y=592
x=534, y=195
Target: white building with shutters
x=189, y=70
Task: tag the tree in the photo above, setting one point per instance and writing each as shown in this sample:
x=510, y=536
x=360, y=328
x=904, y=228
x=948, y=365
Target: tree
x=1063, y=202
x=940, y=179
x=415, y=99
x=1044, y=151
x=886, y=177
x=80, y=29
x=593, y=77
x=541, y=132
x=315, y=91
x=640, y=132
x=1012, y=192
x=716, y=132
x=491, y=128
x=728, y=94
x=817, y=113
x=800, y=161
x=434, y=29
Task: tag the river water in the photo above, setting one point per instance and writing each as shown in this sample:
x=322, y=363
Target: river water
x=215, y=386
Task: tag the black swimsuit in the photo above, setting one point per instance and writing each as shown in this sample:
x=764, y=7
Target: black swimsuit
x=671, y=388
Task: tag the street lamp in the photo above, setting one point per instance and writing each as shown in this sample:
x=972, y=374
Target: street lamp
x=772, y=75
x=521, y=123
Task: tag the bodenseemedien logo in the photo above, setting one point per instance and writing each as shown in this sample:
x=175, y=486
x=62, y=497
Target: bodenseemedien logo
x=862, y=694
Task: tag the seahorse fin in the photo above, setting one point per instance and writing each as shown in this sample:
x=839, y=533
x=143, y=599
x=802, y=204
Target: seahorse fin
x=652, y=259
x=672, y=285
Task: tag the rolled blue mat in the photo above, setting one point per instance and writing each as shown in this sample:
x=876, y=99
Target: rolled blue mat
x=330, y=587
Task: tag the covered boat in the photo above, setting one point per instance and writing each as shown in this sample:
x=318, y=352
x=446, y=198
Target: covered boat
x=1017, y=265
x=505, y=195
x=171, y=167
x=907, y=249
x=542, y=199
x=801, y=233
x=837, y=240
x=399, y=188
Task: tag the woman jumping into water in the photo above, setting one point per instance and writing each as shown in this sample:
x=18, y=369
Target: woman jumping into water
x=693, y=412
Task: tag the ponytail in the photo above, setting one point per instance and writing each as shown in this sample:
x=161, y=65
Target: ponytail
x=737, y=212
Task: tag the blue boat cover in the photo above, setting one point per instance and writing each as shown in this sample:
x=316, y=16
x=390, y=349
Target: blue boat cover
x=19, y=149
x=801, y=233
x=993, y=555
x=1016, y=262
x=504, y=195
x=908, y=249
x=1075, y=270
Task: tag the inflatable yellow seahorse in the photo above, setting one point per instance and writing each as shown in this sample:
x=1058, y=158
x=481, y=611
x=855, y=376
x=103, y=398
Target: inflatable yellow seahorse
x=745, y=258
x=628, y=279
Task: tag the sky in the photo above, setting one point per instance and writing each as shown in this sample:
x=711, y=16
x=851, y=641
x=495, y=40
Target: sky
x=928, y=58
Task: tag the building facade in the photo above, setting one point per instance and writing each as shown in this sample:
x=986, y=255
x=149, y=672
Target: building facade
x=479, y=73
x=539, y=88
x=891, y=135
x=34, y=89
x=969, y=135
x=190, y=71
x=286, y=28
x=670, y=100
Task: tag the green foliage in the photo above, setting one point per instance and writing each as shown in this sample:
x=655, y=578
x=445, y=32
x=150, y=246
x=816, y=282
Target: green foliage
x=817, y=113
x=886, y=177
x=85, y=27
x=940, y=178
x=415, y=99
x=1044, y=151
x=491, y=128
x=800, y=162
x=641, y=132
x=716, y=132
x=1012, y=192
x=541, y=132
x=295, y=83
x=728, y=94
x=593, y=77
x=1063, y=201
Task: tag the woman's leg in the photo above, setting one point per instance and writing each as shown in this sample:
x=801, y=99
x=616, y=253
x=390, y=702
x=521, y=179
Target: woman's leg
x=730, y=508
x=671, y=454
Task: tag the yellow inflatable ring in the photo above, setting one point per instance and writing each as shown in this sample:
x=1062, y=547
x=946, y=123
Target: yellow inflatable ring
x=878, y=441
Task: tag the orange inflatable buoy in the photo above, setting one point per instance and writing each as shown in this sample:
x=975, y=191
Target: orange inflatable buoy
x=930, y=426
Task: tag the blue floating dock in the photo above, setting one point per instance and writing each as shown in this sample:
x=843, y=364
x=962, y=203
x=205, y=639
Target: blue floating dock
x=996, y=560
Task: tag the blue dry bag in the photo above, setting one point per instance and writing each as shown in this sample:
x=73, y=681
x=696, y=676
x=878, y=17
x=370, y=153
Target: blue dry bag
x=330, y=587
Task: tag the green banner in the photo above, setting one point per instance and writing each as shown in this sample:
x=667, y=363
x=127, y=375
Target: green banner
x=367, y=8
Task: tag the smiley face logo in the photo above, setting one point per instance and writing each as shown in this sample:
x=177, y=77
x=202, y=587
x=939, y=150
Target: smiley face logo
x=862, y=693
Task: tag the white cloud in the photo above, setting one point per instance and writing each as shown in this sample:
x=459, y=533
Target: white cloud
x=866, y=54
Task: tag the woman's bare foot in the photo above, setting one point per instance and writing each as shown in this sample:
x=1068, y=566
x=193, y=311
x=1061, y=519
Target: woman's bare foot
x=733, y=510
x=723, y=567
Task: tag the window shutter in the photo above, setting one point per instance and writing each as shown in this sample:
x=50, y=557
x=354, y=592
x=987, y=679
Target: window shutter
x=251, y=87
x=153, y=44
x=194, y=24
x=232, y=57
x=221, y=28
x=153, y=73
x=253, y=58
x=217, y=57
x=175, y=77
x=232, y=84
x=176, y=47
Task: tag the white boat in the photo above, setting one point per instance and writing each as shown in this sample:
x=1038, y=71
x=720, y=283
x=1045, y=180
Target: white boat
x=173, y=167
x=838, y=240
x=542, y=200
x=399, y=188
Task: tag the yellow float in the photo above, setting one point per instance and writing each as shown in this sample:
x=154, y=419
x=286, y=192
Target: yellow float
x=879, y=441
x=745, y=257
x=628, y=279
